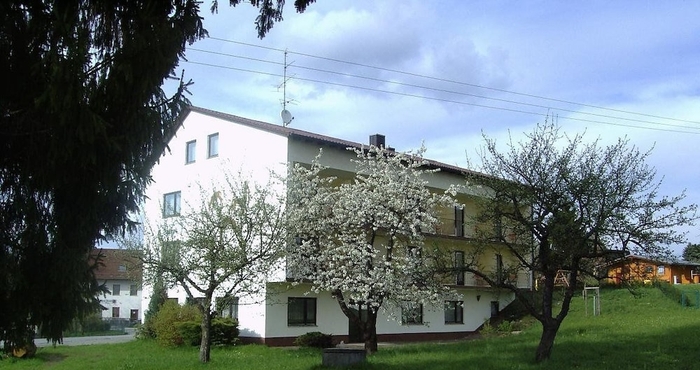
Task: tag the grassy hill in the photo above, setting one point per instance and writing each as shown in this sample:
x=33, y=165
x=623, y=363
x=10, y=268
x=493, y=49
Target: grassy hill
x=647, y=330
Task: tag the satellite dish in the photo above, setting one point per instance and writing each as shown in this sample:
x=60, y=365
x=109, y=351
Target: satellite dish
x=286, y=117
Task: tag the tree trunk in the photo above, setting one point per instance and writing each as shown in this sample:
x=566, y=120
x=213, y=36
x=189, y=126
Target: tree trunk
x=549, y=332
x=205, y=345
x=369, y=334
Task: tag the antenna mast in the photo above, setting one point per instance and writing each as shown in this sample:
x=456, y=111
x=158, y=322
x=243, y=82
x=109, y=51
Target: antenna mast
x=286, y=115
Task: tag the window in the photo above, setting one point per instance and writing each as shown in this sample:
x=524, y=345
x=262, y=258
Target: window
x=134, y=315
x=660, y=270
x=459, y=221
x=454, y=312
x=227, y=306
x=195, y=301
x=498, y=229
x=115, y=311
x=213, y=145
x=116, y=289
x=459, y=267
x=301, y=311
x=133, y=289
x=499, y=269
x=190, y=150
x=412, y=313
x=171, y=204
x=122, y=268
x=495, y=308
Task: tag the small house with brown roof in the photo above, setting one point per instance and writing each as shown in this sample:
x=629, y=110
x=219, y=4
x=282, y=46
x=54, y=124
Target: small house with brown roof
x=120, y=273
x=644, y=269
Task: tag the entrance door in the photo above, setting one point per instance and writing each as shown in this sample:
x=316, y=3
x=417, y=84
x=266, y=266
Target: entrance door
x=354, y=331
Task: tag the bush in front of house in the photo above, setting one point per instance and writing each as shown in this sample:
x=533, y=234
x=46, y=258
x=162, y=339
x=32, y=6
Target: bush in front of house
x=314, y=339
x=94, y=324
x=165, y=322
x=224, y=331
x=190, y=332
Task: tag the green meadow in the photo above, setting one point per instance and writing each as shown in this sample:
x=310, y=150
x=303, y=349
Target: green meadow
x=645, y=330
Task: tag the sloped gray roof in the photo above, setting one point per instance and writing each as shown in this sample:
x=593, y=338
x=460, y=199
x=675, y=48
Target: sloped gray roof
x=305, y=135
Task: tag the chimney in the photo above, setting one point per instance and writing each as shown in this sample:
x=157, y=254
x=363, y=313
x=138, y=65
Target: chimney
x=377, y=140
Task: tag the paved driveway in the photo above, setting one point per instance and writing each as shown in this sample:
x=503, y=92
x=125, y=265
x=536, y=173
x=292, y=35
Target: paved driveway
x=82, y=341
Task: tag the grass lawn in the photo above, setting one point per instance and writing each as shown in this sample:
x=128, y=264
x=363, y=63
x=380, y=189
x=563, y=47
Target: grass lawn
x=647, y=331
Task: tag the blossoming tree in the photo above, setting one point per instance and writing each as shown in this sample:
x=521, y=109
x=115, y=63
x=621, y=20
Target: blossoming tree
x=361, y=238
x=226, y=245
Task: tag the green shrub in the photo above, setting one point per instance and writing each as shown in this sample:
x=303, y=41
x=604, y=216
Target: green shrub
x=505, y=326
x=224, y=331
x=190, y=332
x=315, y=339
x=486, y=329
x=165, y=322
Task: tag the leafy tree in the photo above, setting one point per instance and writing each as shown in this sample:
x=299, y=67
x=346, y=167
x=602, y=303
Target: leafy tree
x=362, y=239
x=563, y=205
x=80, y=128
x=226, y=245
x=691, y=252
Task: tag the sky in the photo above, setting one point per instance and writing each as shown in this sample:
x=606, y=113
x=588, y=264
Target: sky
x=446, y=73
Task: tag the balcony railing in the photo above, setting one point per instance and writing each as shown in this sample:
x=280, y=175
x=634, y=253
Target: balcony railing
x=521, y=280
x=446, y=226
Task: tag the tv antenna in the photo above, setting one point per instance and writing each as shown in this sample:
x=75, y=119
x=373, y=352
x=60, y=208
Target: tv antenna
x=285, y=114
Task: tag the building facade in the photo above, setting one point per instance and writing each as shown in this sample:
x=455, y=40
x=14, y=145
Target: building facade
x=210, y=144
x=119, y=273
x=646, y=270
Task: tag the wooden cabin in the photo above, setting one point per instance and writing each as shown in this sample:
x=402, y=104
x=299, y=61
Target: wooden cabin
x=647, y=270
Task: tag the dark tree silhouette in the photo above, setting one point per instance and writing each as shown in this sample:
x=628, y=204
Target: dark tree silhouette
x=83, y=118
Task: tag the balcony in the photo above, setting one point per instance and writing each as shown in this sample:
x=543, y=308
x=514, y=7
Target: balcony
x=446, y=226
x=521, y=280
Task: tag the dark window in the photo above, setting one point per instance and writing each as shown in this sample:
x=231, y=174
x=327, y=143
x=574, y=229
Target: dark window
x=459, y=221
x=213, y=145
x=454, y=312
x=495, y=308
x=190, y=151
x=412, y=313
x=499, y=269
x=134, y=315
x=133, y=289
x=227, y=306
x=498, y=229
x=195, y=301
x=301, y=311
x=459, y=267
x=115, y=311
x=116, y=289
x=171, y=204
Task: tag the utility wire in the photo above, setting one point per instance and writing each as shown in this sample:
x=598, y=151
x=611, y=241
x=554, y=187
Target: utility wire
x=433, y=98
x=443, y=91
x=457, y=82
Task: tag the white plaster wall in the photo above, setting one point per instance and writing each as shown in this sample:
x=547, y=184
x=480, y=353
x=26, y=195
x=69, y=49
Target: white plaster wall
x=331, y=320
x=252, y=153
